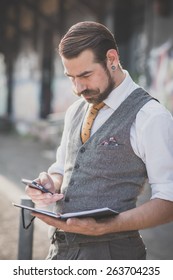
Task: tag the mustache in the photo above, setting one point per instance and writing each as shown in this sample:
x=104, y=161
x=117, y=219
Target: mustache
x=86, y=92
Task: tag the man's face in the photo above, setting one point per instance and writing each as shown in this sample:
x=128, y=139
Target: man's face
x=90, y=79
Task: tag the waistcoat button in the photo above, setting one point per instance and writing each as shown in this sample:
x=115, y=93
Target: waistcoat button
x=76, y=166
x=82, y=150
x=67, y=199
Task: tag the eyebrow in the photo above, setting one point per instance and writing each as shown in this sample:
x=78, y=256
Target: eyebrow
x=80, y=75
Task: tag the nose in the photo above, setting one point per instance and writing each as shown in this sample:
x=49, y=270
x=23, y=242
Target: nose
x=79, y=86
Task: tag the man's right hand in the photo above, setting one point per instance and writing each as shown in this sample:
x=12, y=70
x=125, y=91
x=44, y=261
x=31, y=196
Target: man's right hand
x=52, y=183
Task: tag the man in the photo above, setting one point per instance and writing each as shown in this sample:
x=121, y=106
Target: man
x=131, y=140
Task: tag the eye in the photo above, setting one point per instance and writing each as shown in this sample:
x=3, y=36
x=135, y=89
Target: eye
x=86, y=76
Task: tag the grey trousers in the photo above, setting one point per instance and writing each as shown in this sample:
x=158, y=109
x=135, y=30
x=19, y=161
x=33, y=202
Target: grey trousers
x=126, y=248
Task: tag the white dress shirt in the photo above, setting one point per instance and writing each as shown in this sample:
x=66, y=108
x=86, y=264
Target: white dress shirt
x=151, y=138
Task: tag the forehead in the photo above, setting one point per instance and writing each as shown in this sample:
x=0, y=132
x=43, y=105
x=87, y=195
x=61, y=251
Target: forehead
x=83, y=62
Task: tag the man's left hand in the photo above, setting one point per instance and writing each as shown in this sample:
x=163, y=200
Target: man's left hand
x=86, y=226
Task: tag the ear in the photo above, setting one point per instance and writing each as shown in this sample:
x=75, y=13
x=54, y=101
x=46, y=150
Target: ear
x=112, y=58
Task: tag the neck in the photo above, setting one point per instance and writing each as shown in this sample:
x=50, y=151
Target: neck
x=119, y=76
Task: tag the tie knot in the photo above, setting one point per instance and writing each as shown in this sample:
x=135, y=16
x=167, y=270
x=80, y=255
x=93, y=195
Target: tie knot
x=98, y=106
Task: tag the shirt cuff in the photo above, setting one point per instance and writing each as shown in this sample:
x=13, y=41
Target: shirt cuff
x=54, y=168
x=162, y=191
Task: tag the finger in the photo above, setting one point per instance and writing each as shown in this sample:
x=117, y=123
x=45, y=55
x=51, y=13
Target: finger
x=44, y=178
x=46, y=199
x=46, y=181
x=50, y=220
x=77, y=222
x=31, y=191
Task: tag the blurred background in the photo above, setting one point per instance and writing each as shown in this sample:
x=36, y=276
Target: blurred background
x=34, y=93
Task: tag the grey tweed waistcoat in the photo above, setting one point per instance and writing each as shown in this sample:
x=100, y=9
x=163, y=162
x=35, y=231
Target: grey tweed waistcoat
x=105, y=171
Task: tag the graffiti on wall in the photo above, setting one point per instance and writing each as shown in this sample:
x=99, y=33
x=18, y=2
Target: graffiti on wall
x=160, y=65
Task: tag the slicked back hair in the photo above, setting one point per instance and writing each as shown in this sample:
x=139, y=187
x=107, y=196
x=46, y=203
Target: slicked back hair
x=87, y=35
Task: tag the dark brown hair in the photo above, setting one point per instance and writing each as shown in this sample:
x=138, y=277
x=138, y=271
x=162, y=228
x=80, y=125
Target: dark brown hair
x=87, y=35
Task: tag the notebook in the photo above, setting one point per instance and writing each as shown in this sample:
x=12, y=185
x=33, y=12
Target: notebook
x=95, y=213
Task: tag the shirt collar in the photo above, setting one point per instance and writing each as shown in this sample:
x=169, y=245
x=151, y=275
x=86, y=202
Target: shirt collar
x=120, y=93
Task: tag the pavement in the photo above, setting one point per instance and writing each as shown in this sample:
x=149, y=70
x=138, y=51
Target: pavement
x=26, y=157
x=20, y=157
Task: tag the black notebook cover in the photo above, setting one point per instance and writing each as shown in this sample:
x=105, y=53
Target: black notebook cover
x=95, y=213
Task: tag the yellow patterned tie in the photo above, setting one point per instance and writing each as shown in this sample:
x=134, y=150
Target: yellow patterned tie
x=89, y=119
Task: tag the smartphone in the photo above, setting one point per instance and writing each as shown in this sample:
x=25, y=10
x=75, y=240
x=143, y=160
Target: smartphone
x=35, y=185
